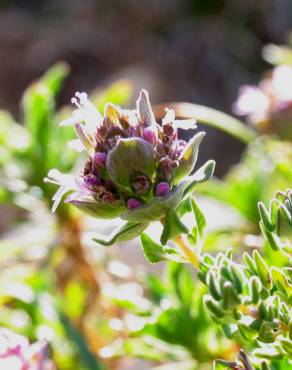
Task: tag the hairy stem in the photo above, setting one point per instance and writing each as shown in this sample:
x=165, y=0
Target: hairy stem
x=187, y=251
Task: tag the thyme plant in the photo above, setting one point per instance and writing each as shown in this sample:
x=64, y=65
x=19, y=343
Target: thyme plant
x=140, y=171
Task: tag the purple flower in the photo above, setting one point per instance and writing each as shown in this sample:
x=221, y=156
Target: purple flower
x=162, y=189
x=150, y=135
x=99, y=159
x=133, y=203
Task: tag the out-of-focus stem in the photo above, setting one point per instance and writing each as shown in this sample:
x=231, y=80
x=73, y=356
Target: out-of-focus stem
x=187, y=251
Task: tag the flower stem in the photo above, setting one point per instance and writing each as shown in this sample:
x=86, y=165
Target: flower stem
x=187, y=251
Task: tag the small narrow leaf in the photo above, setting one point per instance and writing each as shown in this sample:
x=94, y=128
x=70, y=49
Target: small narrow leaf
x=126, y=232
x=263, y=270
x=172, y=227
x=255, y=289
x=213, y=306
x=152, y=251
x=213, y=286
x=201, y=175
x=266, y=219
x=200, y=218
x=155, y=252
x=273, y=240
x=230, y=298
x=188, y=158
x=250, y=263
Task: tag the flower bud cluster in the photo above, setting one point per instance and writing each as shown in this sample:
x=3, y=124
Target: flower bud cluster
x=133, y=159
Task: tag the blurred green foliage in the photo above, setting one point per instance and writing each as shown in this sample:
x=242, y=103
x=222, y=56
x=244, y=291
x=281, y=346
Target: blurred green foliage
x=37, y=298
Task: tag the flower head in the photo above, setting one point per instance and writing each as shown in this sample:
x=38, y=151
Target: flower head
x=132, y=159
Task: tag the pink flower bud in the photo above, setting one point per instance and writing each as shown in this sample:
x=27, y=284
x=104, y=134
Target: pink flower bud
x=99, y=159
x=133, y=203
x=162, y=189
x=149, y=135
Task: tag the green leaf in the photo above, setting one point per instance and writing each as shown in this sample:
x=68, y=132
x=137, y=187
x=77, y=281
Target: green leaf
x=172, y=227
x=98, y=209
x=155, y=252
x=255, y=289
x=38, y=108
x=126, y=232
x=237, y=278
x=266, y=219
x=266, y=333
x=157, y=207
x=213, y=286
x=213, y=306
x=129, y=158
x=184, y=207
x=200, y=218
x=273, y=240
x=280, y=280
x=117, y=93
x=230, y=297
x=193, y=238
x=287, y=345
x=263, y=270
x=250, y=263
x=201, y=175
x=188, y=158
x=87, y=358
x=270, y=353
x=54, y=77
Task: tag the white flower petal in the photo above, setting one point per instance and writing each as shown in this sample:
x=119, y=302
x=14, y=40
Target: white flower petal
x=76, y=145
x=66, y=182
x=185, y=124
x=169, y=116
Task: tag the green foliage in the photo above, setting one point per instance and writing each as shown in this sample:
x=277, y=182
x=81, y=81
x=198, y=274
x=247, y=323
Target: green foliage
x=264, y=168
x=254, y=300
x=175, y=326
x=38, y=297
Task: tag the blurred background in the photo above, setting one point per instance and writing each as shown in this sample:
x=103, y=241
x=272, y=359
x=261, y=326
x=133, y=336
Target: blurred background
x=180, y=50
x=55, y=283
